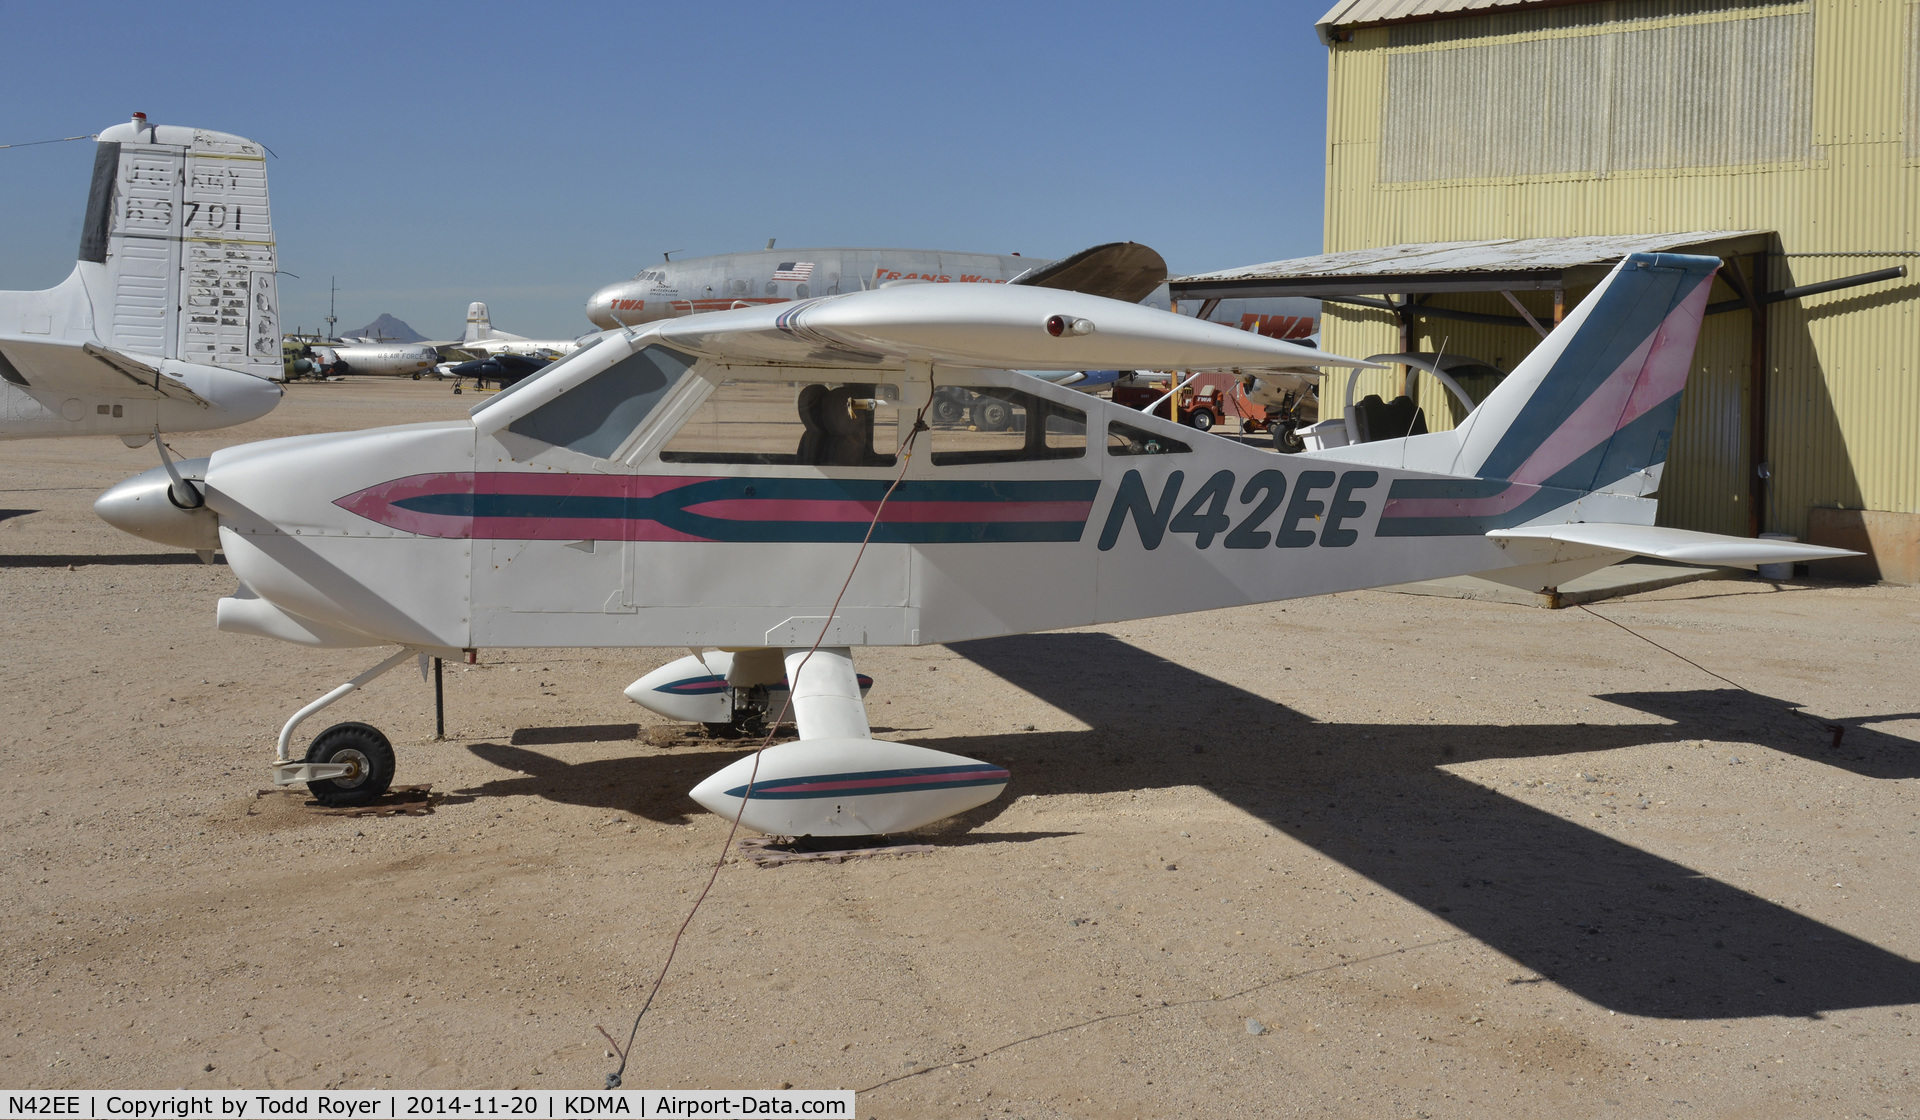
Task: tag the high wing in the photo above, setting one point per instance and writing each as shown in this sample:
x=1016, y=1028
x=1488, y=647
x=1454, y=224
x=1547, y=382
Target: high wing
x=53, y=369
x=1124, y=270
x=981, y=327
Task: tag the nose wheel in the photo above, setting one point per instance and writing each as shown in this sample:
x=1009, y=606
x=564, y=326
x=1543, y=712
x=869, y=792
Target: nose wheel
x=350, y=763
x=364, y=752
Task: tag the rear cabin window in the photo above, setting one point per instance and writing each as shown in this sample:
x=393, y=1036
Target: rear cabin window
x=989, y=424
x=1125, y=439
x=596, y=416
x=797, y=423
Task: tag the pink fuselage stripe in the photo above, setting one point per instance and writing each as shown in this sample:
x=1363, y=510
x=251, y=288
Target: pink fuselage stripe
x=1499, y=503
x=1640, y=377
x=782, y=509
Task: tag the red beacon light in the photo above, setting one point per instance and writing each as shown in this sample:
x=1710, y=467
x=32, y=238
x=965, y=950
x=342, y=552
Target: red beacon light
x=1059, y=325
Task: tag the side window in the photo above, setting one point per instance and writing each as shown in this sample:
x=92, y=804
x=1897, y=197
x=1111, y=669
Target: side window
x=1125, y=439
x=596, y=416
x=988, y=424
x=798, y=423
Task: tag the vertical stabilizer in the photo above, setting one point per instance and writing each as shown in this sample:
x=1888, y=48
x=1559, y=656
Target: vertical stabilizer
x=479, y=323
x=179, y=229
x=1593, y=407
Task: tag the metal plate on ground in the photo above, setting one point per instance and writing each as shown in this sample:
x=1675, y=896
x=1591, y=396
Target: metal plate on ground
x=772, y=851
x=408, y=801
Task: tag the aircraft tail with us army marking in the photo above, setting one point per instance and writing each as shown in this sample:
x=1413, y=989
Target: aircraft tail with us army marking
x=170, y=319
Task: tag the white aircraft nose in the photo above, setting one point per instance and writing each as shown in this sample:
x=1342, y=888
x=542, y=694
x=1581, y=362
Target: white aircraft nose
x=142, y=505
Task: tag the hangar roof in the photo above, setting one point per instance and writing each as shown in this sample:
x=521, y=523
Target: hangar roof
x=1369, y=13
x=1458, y=266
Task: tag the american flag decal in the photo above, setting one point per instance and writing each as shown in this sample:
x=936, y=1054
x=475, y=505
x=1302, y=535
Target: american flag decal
x=794, y=270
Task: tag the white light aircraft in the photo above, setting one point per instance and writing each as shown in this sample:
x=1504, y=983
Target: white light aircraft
x=170, y=320
x=709, y=481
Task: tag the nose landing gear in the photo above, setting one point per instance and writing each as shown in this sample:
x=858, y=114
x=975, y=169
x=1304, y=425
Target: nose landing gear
x=349, y=763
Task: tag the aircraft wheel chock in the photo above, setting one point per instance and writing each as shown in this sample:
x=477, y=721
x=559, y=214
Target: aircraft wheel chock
x=360, y=746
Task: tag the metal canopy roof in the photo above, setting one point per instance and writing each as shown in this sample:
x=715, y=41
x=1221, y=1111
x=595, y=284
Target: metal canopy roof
x=1511, y=264
x=1370, y=13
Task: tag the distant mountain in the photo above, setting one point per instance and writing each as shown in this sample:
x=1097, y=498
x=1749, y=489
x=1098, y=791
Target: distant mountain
x=386, y=327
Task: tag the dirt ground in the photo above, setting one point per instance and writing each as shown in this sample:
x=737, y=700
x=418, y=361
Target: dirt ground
x=1366, y=855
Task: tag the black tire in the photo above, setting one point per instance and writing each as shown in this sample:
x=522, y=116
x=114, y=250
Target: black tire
x=1201, y=420
x=456, y=390
x=991, y=414
x=946, y=410
x=416, y=377
x=358, y=743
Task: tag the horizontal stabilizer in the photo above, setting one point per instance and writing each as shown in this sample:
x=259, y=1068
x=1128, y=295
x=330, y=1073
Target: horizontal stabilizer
x=1124, y=270
x=1683, y=545
x=84, y=369
x=981, y=326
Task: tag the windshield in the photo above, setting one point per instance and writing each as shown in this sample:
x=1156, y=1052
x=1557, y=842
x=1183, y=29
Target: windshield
x=526, y=381
x=596, y=416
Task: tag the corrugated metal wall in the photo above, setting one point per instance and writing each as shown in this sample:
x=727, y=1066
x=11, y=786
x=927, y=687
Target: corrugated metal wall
x=1844, y=388
x=1911, y=122
x=1695, y=92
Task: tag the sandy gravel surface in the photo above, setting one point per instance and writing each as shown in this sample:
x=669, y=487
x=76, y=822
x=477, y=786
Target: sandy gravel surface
x=1365, y=855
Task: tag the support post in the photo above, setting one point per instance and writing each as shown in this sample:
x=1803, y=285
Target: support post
x=439, y=704
x=1759, y=359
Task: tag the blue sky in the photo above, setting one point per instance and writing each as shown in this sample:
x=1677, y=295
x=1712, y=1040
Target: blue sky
x=429, y=155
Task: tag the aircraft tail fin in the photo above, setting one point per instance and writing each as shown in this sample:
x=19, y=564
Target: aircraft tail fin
x=1593, y=407
x=1579, y=430
x=479, y=323
x=177, y=251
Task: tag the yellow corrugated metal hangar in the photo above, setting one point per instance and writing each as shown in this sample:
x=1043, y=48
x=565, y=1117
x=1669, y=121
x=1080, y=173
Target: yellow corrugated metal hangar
x=1487, y=162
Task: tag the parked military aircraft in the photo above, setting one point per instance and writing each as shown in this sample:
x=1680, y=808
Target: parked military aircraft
x=759, y=481
x=483, y=341
x=375, y=359
x=170, y=320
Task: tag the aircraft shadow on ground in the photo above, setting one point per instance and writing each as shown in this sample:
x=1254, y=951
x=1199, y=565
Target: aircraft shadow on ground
x=1629, y=930
x=654, y=786
x=593, y=733
x=102, y=559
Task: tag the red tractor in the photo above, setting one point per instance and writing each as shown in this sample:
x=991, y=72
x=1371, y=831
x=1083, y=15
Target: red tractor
x=1200, y=408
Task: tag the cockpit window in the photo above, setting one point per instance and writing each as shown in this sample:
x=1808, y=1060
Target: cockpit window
x=811, y=424
x=989, y=424
x=596, y=416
